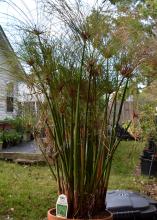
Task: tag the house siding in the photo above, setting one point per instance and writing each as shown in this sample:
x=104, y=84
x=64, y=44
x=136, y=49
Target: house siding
x=5, y=78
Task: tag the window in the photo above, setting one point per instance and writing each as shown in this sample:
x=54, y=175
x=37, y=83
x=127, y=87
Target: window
x=10, y=97
x=10, y=104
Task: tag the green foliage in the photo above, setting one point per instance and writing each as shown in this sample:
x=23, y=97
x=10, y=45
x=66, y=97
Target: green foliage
x=24, y=123
x=149, y=9
x=18, y=126
x=1, y=137
x=16, y=123
x=11, y=137
x=147, y=120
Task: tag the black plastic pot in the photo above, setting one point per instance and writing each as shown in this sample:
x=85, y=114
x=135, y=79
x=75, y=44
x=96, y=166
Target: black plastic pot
x=152, y=144
x=128, y=205
x=147, y=154
x=148, y=166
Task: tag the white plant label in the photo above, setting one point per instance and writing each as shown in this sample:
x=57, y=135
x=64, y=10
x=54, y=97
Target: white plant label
x=62, y=206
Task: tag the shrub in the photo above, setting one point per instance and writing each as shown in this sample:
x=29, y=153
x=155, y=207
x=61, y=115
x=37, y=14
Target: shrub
x=11, y=137
x=16, y=123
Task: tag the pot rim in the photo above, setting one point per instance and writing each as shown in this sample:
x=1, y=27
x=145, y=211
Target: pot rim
x=110, y=217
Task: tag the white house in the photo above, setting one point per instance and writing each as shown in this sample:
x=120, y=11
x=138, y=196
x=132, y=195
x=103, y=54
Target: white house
x=9, y=67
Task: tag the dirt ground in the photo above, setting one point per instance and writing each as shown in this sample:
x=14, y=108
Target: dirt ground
x=149, y=188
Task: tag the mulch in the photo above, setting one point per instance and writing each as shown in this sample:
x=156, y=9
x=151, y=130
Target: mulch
x=149, y=188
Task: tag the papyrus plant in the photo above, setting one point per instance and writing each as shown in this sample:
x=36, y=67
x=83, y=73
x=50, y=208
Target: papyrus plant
x=79, y=116
x=78, y=81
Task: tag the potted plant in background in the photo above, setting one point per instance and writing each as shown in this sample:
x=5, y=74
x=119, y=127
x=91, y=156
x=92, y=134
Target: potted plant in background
x=149, y=133
x=78, y=81
x=1, y=142
x=27, y=133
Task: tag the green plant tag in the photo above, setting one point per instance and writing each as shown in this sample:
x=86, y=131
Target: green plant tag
x=62, y=206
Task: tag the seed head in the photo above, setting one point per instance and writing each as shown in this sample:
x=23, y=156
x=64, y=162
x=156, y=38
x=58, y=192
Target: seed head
x=85, y=36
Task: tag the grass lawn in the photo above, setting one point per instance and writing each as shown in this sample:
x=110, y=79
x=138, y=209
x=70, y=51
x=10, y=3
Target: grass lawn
x=27, y=192
x=126, y=160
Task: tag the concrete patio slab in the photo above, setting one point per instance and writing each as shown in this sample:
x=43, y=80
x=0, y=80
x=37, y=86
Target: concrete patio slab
x=25, y=147
x=28, y=151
